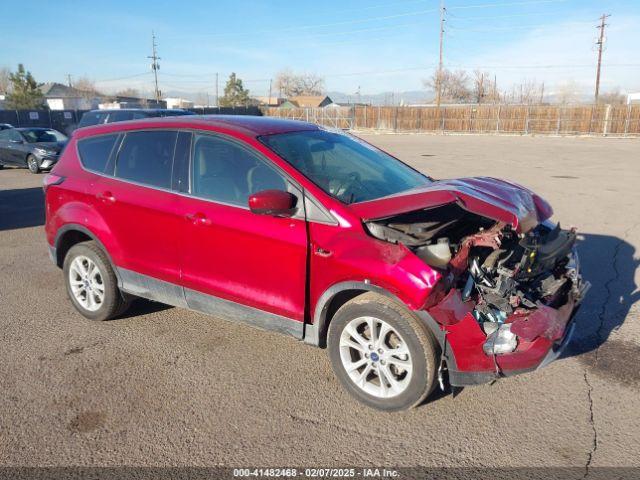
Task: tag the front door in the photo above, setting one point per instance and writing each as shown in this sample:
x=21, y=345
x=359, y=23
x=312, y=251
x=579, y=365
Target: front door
x=12, y=148
x=230, y=253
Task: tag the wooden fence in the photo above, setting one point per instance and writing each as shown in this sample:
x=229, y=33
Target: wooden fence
x=613, y=120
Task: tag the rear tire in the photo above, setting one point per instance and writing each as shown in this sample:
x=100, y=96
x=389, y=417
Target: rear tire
x=32, y=164
x=91, y=283
x=393, y=370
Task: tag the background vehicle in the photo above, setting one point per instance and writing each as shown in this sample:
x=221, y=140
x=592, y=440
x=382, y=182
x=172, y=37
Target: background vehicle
x=97, y=117
x=34, y=148
x=4, y=126
x=321, y=236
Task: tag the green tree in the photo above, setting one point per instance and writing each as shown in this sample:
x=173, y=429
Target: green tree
x=25, y=92
x=234, y=93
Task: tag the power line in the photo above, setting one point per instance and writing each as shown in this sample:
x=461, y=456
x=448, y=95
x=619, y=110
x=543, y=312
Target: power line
x=600, y=44
x=122, y=78
x=512, y=27
x=323, y=25
x=507, y=4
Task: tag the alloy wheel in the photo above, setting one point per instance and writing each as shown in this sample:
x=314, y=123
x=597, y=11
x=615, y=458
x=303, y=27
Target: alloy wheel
x=87, y=285
x=32, y=163
x=376, y=357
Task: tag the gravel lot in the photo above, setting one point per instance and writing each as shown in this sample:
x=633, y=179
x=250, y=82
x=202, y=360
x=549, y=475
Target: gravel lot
x=166, y=386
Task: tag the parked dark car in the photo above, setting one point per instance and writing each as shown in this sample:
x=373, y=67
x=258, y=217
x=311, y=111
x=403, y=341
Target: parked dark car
x=4, y=126
x=319, y=235
x=34, y=148
x=97, y=117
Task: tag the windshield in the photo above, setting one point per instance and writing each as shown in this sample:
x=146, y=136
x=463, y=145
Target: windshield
x=343, y=166
x=39, y=135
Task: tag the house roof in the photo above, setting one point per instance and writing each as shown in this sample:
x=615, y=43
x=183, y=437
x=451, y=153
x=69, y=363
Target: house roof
x=58, y=90
x=309, y=101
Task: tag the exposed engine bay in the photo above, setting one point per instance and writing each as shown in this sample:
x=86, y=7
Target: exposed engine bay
x=517, y=286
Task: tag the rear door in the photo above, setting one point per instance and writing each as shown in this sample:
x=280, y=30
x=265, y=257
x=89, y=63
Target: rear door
x=229, y=252
x=141, y=211
x=4, y=146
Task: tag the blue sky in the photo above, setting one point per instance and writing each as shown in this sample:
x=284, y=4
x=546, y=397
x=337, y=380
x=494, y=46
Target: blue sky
x=375, y=45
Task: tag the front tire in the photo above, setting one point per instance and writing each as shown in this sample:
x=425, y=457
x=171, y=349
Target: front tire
x=91, y=282
x=32, y=164
x=383, y=355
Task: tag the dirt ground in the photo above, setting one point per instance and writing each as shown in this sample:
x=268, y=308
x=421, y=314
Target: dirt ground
x=166, y=386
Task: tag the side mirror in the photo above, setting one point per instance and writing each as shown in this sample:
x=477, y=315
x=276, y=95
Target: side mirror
x=273, y=202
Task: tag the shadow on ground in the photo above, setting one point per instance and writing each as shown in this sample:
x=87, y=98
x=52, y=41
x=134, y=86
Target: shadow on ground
x=21, y=208
x=609, y=263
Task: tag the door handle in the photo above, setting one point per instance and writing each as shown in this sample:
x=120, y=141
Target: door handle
x=106, y=197
x=321, y=252
x=198, y=219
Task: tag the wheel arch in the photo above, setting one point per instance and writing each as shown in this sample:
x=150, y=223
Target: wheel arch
x=71, y=234
x=339, y=294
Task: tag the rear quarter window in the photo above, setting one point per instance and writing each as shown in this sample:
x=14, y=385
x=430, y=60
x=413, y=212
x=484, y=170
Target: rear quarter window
x=95, y=152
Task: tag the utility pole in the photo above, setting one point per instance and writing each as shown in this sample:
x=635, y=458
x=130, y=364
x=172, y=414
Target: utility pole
x=69, y=80
x=495, y=89
x=269, y=99
x=155, y=66
x=217, y=102
x=600, y=44
x=439, y=78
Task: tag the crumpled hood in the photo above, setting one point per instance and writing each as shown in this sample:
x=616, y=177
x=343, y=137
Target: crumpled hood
x=490, y=197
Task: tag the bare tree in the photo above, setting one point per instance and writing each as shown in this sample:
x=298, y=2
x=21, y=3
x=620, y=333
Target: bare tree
x=87, y=87
x=5, y=80
x=290, y=84
x=528, y=92
x=454, y=85
x=614, y=97
x=485, y=89
x=129, y=92
x=568, y=92
x=202, y=98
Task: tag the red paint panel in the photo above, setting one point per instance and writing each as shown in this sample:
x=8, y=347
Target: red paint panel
x=466, y=339
x=355, y=256
x=451, y=309
x=256, y=260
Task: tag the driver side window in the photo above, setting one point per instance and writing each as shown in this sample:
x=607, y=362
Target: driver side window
x=225, y=172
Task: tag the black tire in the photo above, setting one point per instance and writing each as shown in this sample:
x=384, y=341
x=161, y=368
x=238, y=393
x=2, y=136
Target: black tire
x=115, y=302
x=1, y=166
x=423, y=348
x=32, y=164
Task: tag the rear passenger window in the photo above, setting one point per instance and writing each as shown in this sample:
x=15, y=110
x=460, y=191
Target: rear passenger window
x=146, y=157
x=120, y=116
x=93, y=118
x=225, y=172
x=95, y=152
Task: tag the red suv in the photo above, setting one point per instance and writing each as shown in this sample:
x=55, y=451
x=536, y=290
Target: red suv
x=317, y=234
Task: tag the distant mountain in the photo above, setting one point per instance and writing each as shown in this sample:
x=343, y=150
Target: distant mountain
x=411, y=97
x=384, y=98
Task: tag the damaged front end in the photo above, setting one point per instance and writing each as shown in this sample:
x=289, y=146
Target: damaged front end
x=505, y=297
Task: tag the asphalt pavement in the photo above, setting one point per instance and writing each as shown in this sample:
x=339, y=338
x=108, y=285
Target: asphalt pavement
x=166, y=386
